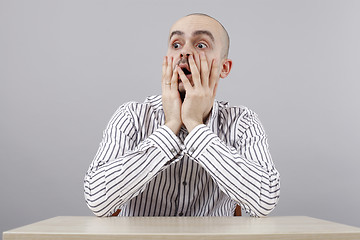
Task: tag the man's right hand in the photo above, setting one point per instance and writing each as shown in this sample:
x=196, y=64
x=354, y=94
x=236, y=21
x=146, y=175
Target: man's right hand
x=170, y=96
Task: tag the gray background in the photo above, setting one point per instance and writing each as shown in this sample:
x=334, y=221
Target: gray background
x=65, y=66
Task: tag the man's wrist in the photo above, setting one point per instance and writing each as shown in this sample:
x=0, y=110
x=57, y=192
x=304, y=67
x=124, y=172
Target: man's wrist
x=191, y=125
x=196, y=141
x=174, y=127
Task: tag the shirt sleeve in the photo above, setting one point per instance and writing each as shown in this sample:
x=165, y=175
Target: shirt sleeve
x=245, y=172
x=123, y=166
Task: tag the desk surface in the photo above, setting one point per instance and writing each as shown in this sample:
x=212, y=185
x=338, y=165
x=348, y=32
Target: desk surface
x=184, y=228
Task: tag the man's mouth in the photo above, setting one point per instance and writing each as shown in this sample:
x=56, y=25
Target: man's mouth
x=187, y=74
x=185, y=68
x=186, y=71
x=184, y=65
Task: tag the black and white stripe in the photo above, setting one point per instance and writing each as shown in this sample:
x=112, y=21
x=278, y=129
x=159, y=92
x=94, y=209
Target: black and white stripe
x=144, y=169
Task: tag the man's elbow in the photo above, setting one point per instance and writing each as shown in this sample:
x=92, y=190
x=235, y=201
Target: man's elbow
x=96, y=201
x=268, y=202
x=94, y=205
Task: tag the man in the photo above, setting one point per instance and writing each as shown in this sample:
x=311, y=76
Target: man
x=183, y=153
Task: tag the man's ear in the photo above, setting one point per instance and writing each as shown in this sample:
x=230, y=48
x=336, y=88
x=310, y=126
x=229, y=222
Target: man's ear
x=225, y=68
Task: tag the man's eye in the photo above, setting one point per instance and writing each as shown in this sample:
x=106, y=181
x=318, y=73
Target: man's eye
x=201, y=45
x=176, y=45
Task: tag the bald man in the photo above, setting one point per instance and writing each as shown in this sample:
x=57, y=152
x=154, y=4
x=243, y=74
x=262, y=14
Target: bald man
x=184, y=153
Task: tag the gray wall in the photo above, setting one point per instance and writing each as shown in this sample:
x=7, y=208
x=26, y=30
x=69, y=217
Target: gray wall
x=65, y=66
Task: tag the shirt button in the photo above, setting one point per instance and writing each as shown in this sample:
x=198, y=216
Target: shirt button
x=184, y=183
x=191, y=150
x=180, y=214
x=173, y=150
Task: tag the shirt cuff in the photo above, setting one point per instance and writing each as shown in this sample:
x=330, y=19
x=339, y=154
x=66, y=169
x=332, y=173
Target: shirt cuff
x=167, y=141
x=197, y=140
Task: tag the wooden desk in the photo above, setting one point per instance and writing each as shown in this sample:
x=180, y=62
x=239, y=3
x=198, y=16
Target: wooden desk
x=184, y=228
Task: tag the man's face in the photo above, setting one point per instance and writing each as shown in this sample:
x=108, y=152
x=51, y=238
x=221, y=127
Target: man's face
x=194, y=34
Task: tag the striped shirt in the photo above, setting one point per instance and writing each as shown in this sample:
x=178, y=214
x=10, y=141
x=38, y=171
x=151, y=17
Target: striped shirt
x=144, y=169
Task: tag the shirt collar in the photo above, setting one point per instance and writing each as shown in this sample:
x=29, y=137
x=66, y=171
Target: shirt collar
x=212, y=121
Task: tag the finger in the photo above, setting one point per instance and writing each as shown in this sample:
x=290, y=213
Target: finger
x=184, y=79
x=204, y=73
x=169, y=68
x=174, y=80
x=169, y=72
x=194, y=71
x=164, y=65
x=214, y=73
x=164, y=69
x=197, y=61
x=215, y=88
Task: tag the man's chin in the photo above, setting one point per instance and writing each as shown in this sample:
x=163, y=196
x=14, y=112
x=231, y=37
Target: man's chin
x=181, y=86
x=182, y=91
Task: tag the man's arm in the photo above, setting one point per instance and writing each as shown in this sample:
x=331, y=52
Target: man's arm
x=246, y=172
x=123, y=166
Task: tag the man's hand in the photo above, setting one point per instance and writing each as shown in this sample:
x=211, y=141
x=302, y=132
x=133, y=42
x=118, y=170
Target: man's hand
x=200, y=96
x=170, y=96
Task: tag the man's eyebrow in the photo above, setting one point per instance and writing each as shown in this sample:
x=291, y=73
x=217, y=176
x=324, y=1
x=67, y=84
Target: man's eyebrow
x=202, y=32
x=198, y=32
x=176, y=33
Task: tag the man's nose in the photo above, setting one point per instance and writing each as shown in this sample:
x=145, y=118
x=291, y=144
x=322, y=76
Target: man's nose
x=186, y=50
x=184, y=54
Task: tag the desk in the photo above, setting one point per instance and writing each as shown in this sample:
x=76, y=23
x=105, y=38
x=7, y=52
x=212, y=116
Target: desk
x=184, y=228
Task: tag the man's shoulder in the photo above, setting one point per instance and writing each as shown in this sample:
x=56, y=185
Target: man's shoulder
x=134, y=108
x=236, y=111
x=237, y=115
x=153, y=102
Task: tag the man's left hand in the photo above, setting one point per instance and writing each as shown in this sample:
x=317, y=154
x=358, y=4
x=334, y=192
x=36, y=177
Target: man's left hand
x=200, y=95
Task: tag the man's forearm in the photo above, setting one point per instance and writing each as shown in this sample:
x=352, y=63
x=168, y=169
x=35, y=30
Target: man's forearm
x=122, y=167
x=247, y=181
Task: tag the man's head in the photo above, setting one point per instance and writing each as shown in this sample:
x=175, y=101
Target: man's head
x=199, y=33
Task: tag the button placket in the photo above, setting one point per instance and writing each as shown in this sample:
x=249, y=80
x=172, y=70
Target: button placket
x=183, y=196
x=183, y=185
